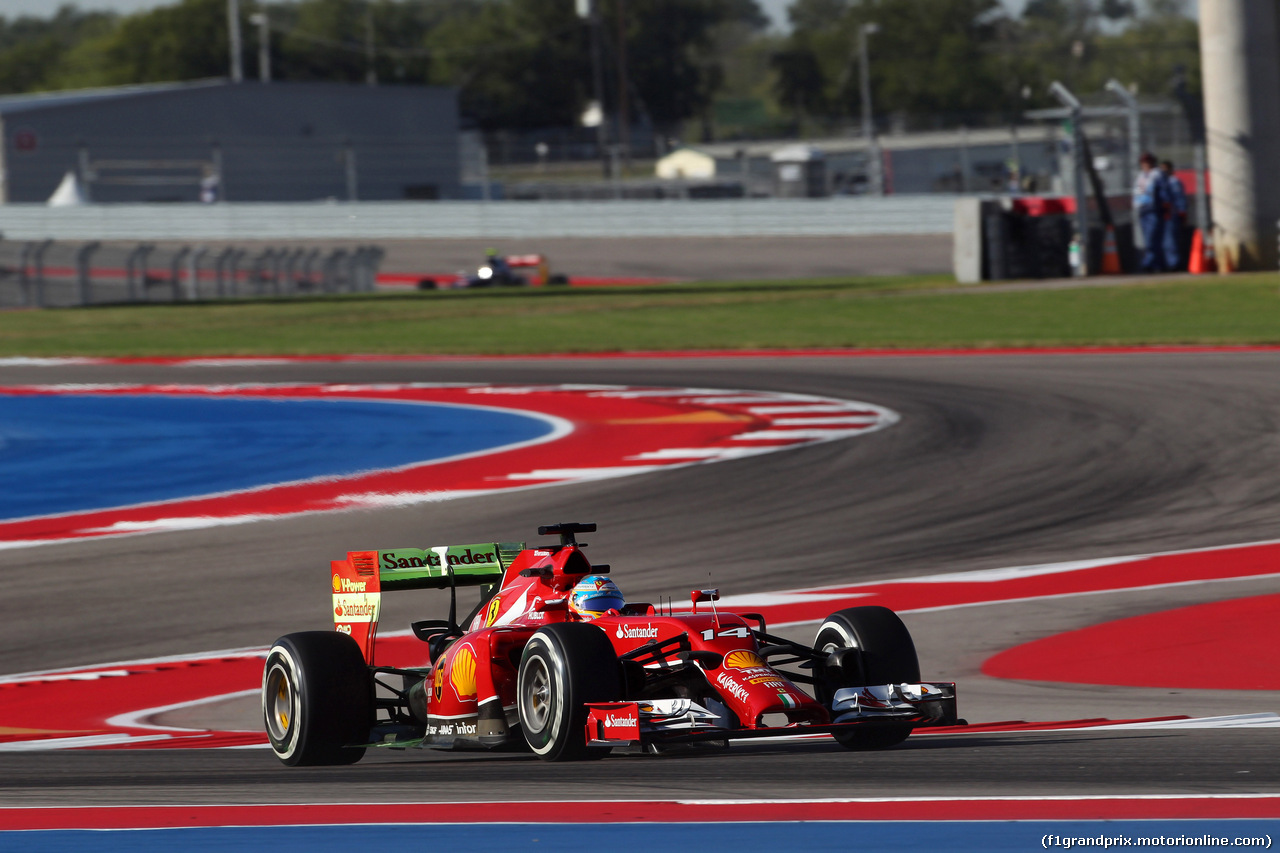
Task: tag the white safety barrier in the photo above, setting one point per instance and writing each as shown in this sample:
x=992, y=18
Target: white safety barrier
x=464, y=219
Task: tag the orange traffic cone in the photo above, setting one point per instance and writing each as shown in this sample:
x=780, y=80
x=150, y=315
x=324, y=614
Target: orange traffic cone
x=1202, y=259
x=1110, y=257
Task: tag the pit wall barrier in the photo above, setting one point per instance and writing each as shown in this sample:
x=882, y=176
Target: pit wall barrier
x=1029, y=237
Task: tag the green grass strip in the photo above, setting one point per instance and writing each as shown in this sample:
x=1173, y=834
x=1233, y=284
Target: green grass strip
x=901, y=312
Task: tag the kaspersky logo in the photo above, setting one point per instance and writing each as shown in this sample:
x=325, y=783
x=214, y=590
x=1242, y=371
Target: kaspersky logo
x=629, y=632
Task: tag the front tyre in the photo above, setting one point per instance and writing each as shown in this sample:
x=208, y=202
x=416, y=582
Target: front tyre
x=317, y=699
x=885, y=655
x=565, y=666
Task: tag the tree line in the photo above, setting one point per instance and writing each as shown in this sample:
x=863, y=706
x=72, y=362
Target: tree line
x=713, y=65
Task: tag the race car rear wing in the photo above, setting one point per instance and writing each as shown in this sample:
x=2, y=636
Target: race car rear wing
x=359, y=580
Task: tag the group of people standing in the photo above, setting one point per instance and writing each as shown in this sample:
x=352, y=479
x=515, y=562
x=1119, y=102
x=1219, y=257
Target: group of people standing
x=1160, y=206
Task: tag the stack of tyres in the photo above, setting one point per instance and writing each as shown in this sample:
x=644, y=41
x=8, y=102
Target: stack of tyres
x=1037, y=246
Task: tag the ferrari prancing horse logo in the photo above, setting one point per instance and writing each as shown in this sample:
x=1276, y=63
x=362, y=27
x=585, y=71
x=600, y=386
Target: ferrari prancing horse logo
x=491, y=613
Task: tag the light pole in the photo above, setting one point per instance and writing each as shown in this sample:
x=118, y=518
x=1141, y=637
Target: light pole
x=1071, y=102
x=233, y=36
x=264, y=45
x=875, y=178
x=589, y=11
x=370, y=54
x=1126, y=97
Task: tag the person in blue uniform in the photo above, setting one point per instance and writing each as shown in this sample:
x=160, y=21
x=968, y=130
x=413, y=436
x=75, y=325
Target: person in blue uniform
x=1150, y=197
x=1175, y=223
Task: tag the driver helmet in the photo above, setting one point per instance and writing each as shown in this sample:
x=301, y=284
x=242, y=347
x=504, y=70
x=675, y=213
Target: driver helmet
x=594, y=596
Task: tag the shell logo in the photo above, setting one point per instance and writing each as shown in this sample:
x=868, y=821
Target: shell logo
x=462, y=675
x=337, y=584
x=743, y=659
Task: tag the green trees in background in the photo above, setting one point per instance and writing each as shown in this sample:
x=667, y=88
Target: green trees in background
x=38, y=54
x=518, y=63
x=527, y=63
x=958, y=60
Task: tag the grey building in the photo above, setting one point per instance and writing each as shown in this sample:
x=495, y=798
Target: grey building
x=245, y=142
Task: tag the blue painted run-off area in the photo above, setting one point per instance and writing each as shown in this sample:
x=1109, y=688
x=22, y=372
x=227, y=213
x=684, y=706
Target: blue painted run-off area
x=813, y=837
x=70, y=453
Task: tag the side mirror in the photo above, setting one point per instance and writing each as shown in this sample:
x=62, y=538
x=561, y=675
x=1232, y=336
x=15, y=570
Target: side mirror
x=699, y=595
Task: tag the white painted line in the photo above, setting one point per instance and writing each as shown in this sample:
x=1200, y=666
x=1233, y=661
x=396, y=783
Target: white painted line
x=24, y=361
x=850, y=419
x=79, y=742
x=728, y=401
x=138, y=719
x=981, y=799
x=777, y=434
x=583, y=473
x=700, y=453
x=832, y=408
x=1264, y=720
x=159, y=525
x=623, y=394
x=720, y=802
x=1015, y=572
x=373, y=500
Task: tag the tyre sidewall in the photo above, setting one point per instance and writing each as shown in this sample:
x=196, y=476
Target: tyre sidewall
x=544, y=741
x=281, y=657
x=888, y=656
x=887, y=650
x=332, y=705
x=582, y=667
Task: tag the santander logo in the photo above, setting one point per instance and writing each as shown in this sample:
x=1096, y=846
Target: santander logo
x=626, y=722
x=629, y=632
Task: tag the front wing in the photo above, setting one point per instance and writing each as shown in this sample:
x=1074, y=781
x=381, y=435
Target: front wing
x=685, y=721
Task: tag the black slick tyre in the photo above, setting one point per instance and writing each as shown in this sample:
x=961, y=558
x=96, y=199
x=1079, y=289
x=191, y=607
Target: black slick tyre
x=564, y=666
x=886, y=655
x=317, y=699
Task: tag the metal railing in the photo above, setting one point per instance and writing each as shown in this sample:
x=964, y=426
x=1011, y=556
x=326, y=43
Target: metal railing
x=48, y=273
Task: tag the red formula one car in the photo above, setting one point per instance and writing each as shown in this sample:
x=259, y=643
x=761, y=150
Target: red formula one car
x=553, y=660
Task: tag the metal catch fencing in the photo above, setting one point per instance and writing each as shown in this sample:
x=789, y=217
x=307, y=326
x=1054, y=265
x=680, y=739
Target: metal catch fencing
x=48, y=274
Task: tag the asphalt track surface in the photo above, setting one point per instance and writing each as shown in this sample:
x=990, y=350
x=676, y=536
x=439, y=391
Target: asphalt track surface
x=998, y=461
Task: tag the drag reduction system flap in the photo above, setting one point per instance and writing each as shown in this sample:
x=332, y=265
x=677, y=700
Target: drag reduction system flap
x=417, y=568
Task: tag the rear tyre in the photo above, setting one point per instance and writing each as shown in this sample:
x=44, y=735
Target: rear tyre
x=563, y=667
x=886, y=655
x=317, y=699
